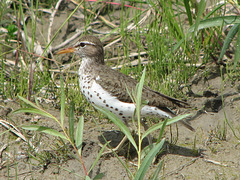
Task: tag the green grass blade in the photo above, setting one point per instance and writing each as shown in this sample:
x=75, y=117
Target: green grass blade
x=44, y=129
x=62, y=100
x=36, y=101
x=148, y=160
x=157, y=171
x=162, y=130
x=34, y=110
x=71, y=121
x=60, y=28
x=79, y=134
x=233, y=31
x=160, y=125
x=208, y=23
x=237, y=51
x=139, y=92
x=98, y=157
x=120, y=124
x=28, y=102
x=189, y=14
x=176, y=46
x=24, y=25
x=216, y=21
x=214, y=10
x=201, y=9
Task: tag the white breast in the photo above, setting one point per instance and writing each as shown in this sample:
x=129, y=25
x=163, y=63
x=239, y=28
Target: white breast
x=95, y=94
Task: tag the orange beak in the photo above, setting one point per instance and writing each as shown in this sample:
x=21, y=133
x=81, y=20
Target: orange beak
x=67, y=50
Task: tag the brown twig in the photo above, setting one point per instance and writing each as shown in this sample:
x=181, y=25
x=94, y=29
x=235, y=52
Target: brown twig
x=51, y=21
x=100, y=17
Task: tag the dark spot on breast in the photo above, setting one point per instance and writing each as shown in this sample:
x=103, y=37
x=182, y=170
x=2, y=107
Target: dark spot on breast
x=116, y=109
x=111, y=107
x=83, y=92
x=97, y=94
x=123, y=117
x=120, y=113
x=89, y=87
x=107, y=105
x=90, y=95
x=100, y=97
x=104, y=101
x=88, y=92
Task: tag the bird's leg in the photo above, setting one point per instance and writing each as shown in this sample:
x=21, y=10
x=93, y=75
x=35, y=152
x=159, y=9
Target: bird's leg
x=119, y=146
x=145, y=126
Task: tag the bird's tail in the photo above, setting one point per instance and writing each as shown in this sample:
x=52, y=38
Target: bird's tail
x=187, y=125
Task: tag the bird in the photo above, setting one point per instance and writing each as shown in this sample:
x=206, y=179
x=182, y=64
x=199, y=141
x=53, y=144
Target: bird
x=107, y=88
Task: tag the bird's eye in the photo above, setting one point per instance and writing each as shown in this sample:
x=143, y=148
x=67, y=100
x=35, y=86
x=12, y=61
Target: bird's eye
x=82, y=44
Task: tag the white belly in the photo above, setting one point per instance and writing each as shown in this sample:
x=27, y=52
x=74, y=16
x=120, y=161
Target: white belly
x=95, y=94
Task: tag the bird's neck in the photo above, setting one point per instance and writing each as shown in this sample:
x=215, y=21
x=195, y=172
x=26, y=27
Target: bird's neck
x=89, y=64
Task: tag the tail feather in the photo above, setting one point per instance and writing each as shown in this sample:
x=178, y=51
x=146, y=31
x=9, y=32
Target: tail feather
x=172, y=114
x=187, y=125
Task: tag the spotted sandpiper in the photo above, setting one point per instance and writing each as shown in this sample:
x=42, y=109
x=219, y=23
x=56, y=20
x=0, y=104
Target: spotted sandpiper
x=107, y=88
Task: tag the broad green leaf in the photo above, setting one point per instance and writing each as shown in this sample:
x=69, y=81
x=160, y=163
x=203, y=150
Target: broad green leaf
x=139, y=93
x=79, y=135
x=233, y=31
x=87, y=178
x=146, y=150
x=148, y=160
x=28, y=102
x=216, y=21
x=159, y=125
x=98, y=176
x=36, y=111
x=44, y=129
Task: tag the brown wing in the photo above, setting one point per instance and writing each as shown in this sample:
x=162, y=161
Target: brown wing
x=116, y=83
